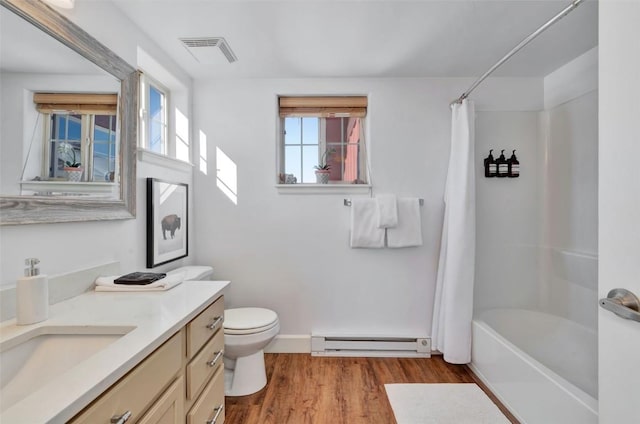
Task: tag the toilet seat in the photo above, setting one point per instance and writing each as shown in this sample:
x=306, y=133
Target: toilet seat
x=240, y=321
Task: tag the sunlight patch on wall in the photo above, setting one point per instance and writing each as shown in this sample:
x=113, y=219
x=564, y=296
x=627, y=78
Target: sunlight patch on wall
x=227, y=176
x=182, y=136
x=203, y=153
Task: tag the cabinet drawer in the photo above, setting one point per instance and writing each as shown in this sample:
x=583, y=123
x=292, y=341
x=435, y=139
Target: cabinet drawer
x=136, y=391
x=211, y=403
x=205, y=325
x=205, y=363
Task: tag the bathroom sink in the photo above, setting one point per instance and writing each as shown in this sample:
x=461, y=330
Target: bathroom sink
x=32, y=359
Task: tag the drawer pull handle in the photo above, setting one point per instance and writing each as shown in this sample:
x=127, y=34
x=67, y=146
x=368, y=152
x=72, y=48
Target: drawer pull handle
x=214, y=324
x=213, y=362
x=218, y=411
x=121, y=419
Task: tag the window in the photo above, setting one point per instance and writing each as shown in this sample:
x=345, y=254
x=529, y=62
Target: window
x=153, y=125
x=322, y=132
x=80, y=129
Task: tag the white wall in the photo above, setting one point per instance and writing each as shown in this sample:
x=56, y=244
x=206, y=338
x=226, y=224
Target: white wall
x=619, y=205
x=290, y=252
x=71, y=246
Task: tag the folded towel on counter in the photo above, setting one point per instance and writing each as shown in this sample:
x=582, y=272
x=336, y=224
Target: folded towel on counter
x=364, y=224
x=408, y=232
x=387, y=210
x=166, y=283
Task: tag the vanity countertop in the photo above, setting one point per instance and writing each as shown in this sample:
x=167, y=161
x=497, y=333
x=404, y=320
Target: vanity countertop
x=156, y=316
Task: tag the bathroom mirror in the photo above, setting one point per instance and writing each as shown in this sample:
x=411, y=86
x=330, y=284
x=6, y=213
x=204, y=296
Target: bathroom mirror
x=107, y=73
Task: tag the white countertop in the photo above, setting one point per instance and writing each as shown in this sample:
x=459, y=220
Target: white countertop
x=156, y=316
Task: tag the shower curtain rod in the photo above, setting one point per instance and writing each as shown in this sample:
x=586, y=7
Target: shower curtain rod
x=517, y=48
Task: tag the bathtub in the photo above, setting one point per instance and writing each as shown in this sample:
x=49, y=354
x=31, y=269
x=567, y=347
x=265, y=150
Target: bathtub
x=542, y=367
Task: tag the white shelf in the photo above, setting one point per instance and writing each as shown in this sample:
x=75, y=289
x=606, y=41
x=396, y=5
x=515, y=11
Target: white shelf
x=72, y=187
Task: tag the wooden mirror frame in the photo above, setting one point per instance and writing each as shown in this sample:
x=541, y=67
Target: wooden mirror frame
x=43, y=209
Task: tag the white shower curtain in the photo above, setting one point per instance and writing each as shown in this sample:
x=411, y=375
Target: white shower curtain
x=453, y=307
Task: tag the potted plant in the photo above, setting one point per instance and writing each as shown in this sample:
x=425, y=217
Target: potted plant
x=323, y=169
x=72, y=166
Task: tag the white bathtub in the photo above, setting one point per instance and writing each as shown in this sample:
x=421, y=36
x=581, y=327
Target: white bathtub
x=541, y=366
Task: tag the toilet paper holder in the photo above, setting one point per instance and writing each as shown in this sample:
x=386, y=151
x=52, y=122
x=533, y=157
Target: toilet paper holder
x=622, y=303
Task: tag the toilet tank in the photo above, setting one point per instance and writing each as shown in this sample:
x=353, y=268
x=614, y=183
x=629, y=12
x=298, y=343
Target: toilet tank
x=194, y=272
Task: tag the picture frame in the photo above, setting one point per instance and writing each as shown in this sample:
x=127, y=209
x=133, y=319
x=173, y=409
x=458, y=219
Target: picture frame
x=167, y=221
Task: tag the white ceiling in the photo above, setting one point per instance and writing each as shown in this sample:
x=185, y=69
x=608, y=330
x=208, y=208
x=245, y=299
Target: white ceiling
x=368, y=38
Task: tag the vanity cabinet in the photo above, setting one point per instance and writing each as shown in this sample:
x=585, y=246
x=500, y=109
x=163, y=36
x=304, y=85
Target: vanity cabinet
x=181, y=381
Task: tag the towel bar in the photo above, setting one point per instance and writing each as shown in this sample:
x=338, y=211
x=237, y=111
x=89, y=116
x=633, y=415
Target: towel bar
x=347, y=202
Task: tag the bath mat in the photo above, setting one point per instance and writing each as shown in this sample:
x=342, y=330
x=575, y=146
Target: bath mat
x=442, y=404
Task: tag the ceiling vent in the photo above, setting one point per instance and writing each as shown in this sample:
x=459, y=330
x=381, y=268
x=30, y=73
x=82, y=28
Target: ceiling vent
x=202, y=47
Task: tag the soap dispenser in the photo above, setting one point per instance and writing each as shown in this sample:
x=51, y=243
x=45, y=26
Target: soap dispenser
x=32, y=295
x=503, y=167
x=490, y=165
x=514, y=166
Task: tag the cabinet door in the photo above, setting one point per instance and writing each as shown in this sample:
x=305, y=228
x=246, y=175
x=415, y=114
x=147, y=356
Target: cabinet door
x=169, y=409
x=137, y=390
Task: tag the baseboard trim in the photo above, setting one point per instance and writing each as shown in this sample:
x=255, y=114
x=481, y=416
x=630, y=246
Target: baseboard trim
x=290, y=343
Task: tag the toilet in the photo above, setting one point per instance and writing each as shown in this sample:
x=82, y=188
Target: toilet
x=194, y=272
x=247, y=331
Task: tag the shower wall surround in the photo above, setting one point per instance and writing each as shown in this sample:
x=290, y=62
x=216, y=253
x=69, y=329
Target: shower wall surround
x=537, y=236
x=507, y=215
x=569, y=250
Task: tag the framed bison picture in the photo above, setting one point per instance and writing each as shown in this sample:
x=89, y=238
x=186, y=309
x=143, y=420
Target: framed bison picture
x=167, y=221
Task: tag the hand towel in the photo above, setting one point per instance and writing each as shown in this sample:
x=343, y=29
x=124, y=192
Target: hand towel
x=166, y=283
x=387, y=210
x=408, y=232
x=364, y=224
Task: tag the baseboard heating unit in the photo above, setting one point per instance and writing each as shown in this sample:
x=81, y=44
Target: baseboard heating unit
x=394, y=347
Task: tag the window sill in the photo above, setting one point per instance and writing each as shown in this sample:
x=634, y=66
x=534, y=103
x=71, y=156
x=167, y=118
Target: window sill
x=323, y=188
x=164, y=161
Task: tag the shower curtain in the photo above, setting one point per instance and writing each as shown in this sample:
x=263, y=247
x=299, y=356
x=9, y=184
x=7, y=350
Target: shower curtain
x=453, y=307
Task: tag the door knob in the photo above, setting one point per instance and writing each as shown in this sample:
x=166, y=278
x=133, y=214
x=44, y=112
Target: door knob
x=622, y=303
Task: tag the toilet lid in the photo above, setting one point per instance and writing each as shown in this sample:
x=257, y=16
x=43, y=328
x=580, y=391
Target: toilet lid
x=249, y=320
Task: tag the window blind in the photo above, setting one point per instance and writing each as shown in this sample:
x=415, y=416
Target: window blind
x=323, y=106
x=78, y=103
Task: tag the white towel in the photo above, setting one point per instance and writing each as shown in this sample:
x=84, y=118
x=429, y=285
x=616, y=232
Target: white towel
x=408, y=232
x=364, y=224
x=166, y=283
x=387, y=210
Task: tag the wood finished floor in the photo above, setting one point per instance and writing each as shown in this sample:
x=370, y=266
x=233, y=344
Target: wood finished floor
x=303, y=389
